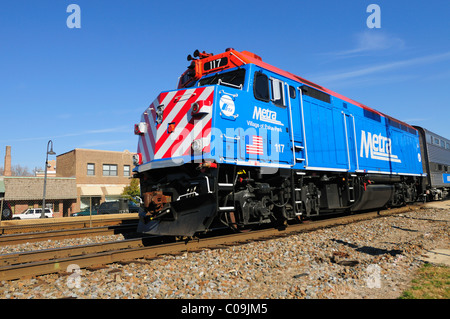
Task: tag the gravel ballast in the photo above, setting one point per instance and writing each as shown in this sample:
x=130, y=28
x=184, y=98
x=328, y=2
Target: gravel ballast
x=369, y=259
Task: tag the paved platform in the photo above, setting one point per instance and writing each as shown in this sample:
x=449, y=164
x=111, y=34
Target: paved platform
x=444, y=204
x=438, y=256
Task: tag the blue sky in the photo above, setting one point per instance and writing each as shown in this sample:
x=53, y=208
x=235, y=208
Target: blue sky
x=86, y=87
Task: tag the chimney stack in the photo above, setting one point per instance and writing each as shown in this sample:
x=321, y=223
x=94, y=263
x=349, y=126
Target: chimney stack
x=7, y=168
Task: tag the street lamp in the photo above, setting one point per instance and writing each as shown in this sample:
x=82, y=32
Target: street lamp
x=45, y=176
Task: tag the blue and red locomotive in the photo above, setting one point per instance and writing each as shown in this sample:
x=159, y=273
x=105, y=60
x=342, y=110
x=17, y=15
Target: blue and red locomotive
x=243, y=143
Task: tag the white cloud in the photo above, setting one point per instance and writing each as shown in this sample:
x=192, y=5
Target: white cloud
x=369, y=42
x=118, y=129
x=370, y=70
x=102, y=143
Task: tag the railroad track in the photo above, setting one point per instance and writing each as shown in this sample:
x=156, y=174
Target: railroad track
x=47, y=224
x=21, y=238
x=20, y=265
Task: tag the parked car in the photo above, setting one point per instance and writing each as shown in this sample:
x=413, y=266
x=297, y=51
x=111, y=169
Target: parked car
x=6, y=211
x=33, y=213
x=119, y=206
x=87, y=211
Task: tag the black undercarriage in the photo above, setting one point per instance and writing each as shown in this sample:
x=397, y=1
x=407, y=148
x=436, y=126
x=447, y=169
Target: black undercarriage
x=193, y=198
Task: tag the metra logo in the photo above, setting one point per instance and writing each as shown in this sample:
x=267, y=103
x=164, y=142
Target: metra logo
x=266, y=115
x=378, y=146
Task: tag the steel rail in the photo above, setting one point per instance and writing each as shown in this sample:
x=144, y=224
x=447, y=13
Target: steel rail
x=57, y=253
x=14, y=239
x=89, y=259
x=24, y=226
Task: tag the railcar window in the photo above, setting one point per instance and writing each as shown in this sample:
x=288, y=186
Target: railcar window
x=319, y=95
x=233, y=79
x=442, y=143
x=447, y=146
x=436, y=141
x=372, y=115
x=277, y=92
x=412, y=131
x=261, y=87
x=397, y=125
x=393, y=123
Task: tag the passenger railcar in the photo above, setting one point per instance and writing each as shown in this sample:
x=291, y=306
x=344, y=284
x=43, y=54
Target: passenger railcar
x=241, y=142
x=436, y=164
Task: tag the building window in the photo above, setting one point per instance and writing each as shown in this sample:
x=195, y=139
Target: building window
x=126, y=170
x=109, y=170
x=90, y=169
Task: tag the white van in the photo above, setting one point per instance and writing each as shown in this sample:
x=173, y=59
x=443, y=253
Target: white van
x=32, y=213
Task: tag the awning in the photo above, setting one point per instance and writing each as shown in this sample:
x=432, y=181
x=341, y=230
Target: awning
x=113, y=190
x=91, y=191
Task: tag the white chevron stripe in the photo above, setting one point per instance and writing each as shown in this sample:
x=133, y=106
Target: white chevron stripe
x=169, y=117
x=180, y=127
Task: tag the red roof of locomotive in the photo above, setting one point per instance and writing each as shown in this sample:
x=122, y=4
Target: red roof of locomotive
x=237, y=58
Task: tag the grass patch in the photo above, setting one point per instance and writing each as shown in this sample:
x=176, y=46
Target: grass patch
x=431, y=282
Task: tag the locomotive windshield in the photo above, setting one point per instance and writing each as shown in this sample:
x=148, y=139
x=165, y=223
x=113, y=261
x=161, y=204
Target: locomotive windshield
x=233, y=79
x=186, y=77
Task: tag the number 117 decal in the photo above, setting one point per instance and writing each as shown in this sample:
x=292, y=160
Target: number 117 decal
x=279, y=148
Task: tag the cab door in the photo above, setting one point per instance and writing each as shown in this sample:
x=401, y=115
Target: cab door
x=352, y=156
x=297, y=126
x=270, y=116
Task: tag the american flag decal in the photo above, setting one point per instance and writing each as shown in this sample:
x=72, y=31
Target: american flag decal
x=255, y=145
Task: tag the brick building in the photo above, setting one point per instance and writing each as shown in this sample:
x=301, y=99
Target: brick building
x=100, y=175
x=23, y=192
x=51, y=170
x=26, y=192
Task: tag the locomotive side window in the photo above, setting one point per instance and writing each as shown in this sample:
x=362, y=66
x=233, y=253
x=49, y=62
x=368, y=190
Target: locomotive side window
x=277, y=88
x=261, y=87
x=292, y=92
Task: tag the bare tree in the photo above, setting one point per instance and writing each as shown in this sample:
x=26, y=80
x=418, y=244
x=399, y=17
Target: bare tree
x=19, y=170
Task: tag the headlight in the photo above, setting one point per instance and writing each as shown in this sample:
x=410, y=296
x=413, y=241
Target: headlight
x=197, y=145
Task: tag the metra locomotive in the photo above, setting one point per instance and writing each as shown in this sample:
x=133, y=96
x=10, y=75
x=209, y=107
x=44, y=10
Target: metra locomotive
x=243, y=143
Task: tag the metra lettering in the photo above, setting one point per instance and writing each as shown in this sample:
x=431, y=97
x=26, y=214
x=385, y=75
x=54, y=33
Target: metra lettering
x=378, y=146
x=266, y=115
